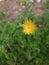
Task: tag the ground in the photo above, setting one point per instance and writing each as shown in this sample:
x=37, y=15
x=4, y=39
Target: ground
x=14, y=6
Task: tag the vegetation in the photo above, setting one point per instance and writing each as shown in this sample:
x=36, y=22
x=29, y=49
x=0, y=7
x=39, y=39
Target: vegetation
x=25, y=1
x=18, y=48
x=46, y=5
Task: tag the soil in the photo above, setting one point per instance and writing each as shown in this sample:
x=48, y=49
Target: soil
x=14, y=7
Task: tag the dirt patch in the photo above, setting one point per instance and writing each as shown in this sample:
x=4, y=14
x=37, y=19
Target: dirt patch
x=14, y=7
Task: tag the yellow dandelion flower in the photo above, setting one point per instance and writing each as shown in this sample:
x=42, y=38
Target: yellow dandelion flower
x=29, y=27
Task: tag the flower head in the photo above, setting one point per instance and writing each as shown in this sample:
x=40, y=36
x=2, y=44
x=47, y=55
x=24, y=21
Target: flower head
x=29, y=27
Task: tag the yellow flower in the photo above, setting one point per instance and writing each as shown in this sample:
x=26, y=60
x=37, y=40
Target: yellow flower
x=29, y=27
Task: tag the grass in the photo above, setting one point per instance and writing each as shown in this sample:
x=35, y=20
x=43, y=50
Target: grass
x=18, y=48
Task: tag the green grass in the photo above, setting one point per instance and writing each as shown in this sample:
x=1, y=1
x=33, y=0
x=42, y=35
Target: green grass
x=25, y=1
x=16, y=48
x=45, y=5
